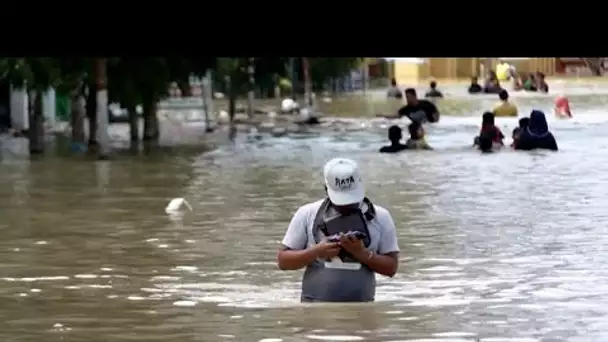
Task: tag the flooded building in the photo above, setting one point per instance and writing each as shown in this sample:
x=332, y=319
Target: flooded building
x=413, y=70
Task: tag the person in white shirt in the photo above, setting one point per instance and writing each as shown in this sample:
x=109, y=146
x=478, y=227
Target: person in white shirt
x=342, y=240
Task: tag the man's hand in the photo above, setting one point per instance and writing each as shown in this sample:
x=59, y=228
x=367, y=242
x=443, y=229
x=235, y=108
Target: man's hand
x=326, y=250
x=352, y=245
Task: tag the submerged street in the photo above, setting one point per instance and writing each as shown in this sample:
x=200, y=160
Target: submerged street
x=503, y=247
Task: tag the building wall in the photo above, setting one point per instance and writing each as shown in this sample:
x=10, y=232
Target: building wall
x=406, y=71
x=530, y=65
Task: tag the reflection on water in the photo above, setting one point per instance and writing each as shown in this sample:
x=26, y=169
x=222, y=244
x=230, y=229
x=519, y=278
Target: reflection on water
x=501, y=247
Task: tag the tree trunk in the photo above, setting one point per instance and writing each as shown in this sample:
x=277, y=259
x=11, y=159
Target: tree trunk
x=151, y=124
x=101, y=94
x=91, y=107
x=231, y=104
x=207, y=95
x=293, y=77
x=307, y=82
x=133, y=122
x=133, y=127
x=155, y=121
x=251, y=90
x=231, y=107
x=276, y=94
x=36, y=131
x=77, y=114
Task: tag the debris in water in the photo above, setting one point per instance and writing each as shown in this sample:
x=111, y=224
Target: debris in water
x=176, y=205
x=58, y=327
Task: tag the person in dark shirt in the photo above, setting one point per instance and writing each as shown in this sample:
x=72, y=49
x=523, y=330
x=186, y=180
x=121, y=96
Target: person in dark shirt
x=433, y=92
x=541, y=85
x=492, y=85
x=537, y=134
x=523, y=124
x=394, y=92
x=419, y=111
x=489, y=130
x=394, y=136
x=475, y=88
x=485, y=143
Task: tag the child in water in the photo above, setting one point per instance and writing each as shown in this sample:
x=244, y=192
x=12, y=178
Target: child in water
x=416, y=140
x=523, y=124
x=489, y=127
x=485, y=143
x=394, y=136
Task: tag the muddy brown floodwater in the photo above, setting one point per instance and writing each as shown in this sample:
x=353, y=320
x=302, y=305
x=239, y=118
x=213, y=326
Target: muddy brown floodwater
x=495, y=248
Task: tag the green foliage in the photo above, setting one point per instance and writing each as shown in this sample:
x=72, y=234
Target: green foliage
x=267, y=71
x=324, y=69
x=36, y=73
x=133, y=79
x=73, y=70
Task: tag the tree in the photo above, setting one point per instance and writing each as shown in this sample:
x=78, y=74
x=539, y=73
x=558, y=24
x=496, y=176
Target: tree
x=122, y=89
x=324, y=70
x=130, y=81
x=145, y=81
x=73, y=71
x=36, y=75
x=233, y=73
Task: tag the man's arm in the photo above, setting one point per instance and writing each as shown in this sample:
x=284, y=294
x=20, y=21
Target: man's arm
x=293, y=255
x=403, y=111
x=433, y=111
x=387, y=116
x=385, y=264
x=386, y=261
x=290, y=260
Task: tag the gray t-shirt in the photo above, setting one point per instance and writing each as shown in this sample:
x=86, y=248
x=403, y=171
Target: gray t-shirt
x=323, y=284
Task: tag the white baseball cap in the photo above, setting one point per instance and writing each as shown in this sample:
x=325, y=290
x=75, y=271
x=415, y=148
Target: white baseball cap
x=343, y=181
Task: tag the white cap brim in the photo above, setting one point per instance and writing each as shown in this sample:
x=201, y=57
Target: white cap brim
x=352, y=196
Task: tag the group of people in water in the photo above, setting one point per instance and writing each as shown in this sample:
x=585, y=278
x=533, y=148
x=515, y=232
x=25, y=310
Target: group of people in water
x=507, y=73
x=343, y=239
x=527, y=82
x=532, y=132
x=494, y=83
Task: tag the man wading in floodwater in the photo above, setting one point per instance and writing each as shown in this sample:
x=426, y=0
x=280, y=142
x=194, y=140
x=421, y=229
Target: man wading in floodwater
x=342, y=240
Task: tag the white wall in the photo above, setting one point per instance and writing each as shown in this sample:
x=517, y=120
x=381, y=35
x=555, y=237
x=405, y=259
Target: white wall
x=20, y=119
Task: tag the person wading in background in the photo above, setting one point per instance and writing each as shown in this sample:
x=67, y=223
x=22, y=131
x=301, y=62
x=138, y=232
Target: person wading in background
x=394, y=136
x=394, y=92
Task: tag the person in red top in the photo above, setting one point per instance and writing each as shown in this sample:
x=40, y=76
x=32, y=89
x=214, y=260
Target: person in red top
x=489, y=129
x=562, y=108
